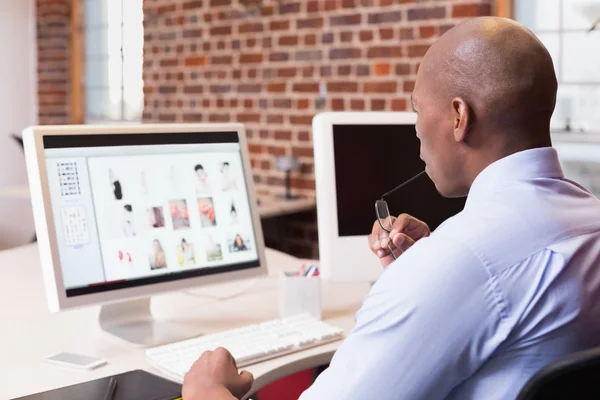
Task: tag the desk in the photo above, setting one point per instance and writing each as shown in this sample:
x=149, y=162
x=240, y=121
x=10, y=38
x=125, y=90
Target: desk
x=30, y=332
x=269, y=207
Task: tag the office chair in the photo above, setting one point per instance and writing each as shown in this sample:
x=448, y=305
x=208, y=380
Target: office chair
x=576, y=376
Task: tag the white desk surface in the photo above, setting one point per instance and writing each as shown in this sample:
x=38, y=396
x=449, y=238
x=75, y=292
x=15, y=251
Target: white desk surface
x=275, y=207
x=29, y=332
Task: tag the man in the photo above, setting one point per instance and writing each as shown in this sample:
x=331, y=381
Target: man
x=474, y=309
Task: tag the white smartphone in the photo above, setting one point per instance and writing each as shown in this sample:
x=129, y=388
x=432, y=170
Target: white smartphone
x=75, y=360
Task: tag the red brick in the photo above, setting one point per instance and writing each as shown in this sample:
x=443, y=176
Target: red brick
x=310, y=40
x=283, y=135
x=344, y=70
x=248, y=58
x=189, y=5
x=377, y=104
x=193, y=89
x=303, y=136
x=288, y=40
x=302, y=104
x=346, y=36
x=402, y=69
x=220, y=88
x=302, y=152
x=427, y=31
x=470, y=10
x=417, y=50
x=385, y=52
x=192, y=33
x=249, y=88
x=255, y=148
x=337, y=104
x=276, y=87
x=251, y=27
x=167, y=117
x=408, y=86
x=306, y=87
x=279, y=56
x=386, y=33
x=248, y=117
x=426, y=13
x=301, y=119
x=365, y=36
x=303, y=183
x=276, y=150
x=406, y=33
x=220, y=30
x=280, y=25
x=380, y=87
x=357, y=104
x=275, y=119
x=350, y=19
x=289, y=72
x=195, y=61
x=349, y=3
x=342, y=87
x=399, y=105
x=329, y=5
x=171, y=62
x=165, y=9
x=381, y=69
x=308, y=55
x=344, y=53
x=214, y=117
x=312, y=6
x=217, y=3
x=385, y=17
x=267, y=10
x=312, y=23
x=218, y=60
x=282, y=103
x=289, y=8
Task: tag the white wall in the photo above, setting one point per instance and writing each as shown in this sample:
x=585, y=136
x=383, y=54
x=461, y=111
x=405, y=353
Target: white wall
x=18, y=109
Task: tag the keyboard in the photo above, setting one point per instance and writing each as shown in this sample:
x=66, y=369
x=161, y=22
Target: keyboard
x=248, y=345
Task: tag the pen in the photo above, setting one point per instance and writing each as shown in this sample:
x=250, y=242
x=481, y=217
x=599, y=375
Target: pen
x=110, y=390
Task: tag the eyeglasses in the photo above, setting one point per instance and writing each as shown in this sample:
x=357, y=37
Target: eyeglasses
x=383, y=212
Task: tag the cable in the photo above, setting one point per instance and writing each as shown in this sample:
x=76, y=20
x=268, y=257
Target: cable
x=235, y=294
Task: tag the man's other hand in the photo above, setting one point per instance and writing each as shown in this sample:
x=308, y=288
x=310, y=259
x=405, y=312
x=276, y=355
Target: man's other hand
x=215, y=376
x=406, y=231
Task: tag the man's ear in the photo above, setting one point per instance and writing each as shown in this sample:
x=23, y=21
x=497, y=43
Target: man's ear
x=462, y=116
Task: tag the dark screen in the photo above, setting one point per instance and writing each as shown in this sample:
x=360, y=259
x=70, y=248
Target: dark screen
x=373, y=159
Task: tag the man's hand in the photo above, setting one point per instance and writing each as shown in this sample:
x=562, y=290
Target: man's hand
x=406, y=231
x=215, y=376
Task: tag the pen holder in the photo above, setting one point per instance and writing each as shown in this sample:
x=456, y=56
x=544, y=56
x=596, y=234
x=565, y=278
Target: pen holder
x=299, y=294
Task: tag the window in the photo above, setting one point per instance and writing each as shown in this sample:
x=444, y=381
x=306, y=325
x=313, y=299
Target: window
x=113, y=36
x=567, y=28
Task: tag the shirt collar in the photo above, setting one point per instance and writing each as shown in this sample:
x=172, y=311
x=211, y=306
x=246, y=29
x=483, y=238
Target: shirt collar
x=522, y=166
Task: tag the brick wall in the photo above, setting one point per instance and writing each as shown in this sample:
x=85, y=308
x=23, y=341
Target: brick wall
x=53, y=26
x=263, y=62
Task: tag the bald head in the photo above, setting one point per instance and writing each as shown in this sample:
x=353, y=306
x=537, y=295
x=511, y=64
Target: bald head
x=490, y=83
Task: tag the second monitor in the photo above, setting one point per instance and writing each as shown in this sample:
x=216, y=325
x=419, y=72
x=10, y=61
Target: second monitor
x=359, y=156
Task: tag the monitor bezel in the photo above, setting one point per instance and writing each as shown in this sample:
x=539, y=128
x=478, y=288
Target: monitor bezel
x=33, y=138
x=345, y=258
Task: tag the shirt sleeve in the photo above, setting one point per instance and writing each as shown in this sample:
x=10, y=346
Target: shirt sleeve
x=433, y=317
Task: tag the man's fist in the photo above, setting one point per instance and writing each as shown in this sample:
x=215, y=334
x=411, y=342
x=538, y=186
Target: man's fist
x=215, y=376
x=406, y=231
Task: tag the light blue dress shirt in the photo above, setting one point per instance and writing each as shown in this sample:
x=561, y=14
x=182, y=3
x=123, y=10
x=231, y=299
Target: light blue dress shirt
x=493, y=295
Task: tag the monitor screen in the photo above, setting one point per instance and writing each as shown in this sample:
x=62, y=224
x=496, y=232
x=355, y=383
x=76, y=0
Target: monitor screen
x=370, y=160
x=137, y=209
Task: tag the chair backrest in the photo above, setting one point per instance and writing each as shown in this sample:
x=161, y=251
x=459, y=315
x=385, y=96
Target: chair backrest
x=576, y=376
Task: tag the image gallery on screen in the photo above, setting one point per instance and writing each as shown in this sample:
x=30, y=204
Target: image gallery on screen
x=156, y=215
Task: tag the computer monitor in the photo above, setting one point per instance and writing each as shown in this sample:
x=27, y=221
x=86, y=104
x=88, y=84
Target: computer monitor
x=125, y=212
x=359, y=156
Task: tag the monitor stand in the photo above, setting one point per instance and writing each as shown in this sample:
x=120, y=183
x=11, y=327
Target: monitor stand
x=132, y=322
